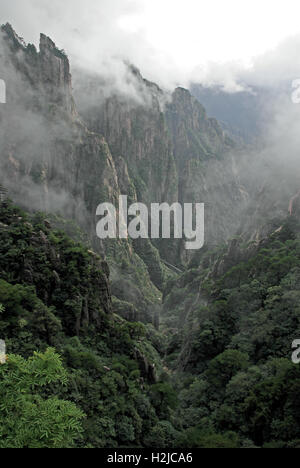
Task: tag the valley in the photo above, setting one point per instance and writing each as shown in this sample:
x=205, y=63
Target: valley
x=148, y=344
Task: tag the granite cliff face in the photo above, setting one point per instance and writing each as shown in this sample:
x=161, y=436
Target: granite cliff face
x=63, y=157
x=172, y=150
x=136, y=130
x=206, y=162
x=51, y=161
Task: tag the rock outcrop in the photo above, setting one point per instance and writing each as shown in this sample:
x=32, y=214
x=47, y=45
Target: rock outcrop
x=51, y=161
x=58, y=156
x=172, y=150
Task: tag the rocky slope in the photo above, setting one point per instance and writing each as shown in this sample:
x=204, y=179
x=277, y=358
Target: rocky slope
x=149, y=145
x=136, y=130
x=172, y=150
x=206, y=161
x=50, y=161
x=48, y=155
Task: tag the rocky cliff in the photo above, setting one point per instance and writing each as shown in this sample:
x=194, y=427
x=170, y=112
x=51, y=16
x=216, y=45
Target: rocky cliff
x=63, y=157
x=172, y=150
x=51, y=161
x=48, y=156
x=135, y=129
x=206, y=162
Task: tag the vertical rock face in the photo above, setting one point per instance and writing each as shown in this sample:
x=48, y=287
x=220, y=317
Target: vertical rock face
x=206, y=166
x=135, y=129
x=55, y=74
x=49, y=159
x=173, y=153
x=149, y=145
x=194, y=135
x=46, y=71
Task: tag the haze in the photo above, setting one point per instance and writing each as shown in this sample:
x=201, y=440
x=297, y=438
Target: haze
x=173, y=42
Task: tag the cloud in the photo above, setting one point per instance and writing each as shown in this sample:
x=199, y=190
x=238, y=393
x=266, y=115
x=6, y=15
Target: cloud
x=91, y=32
x=94, y=35
x=276, y=66
x=170, y=41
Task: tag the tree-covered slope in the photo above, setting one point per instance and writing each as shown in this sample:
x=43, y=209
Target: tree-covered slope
x=233, y=321
x=55, y=292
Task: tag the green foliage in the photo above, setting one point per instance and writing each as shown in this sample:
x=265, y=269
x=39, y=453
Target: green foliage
x=227, y=380
x=225, y=366
x=55, y=293
x=163, y=398
x=197, y=438
x=29, y=419
x=238, y=345
x=162, y=436
x=63, y=273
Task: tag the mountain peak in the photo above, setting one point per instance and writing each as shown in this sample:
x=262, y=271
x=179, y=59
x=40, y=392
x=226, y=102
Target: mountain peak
x=46, y=42
x=11, y=34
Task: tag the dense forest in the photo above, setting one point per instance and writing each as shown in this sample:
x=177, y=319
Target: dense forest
x=88, y=378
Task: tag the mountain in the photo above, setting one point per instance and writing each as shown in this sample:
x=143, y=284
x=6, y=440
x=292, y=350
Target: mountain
x=51, y=161
x=67, y=157
x=207, y=163
x=172, y=150
x=243, y=114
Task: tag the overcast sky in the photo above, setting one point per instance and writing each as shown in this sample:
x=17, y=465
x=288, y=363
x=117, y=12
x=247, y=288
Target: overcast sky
x=171, y=41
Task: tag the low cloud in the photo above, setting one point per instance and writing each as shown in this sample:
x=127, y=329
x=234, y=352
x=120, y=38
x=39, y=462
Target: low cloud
x=99, y=37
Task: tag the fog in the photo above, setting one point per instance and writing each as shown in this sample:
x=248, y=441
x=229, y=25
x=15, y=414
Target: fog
x=234, y=44
x=100, y=46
